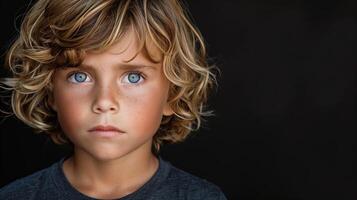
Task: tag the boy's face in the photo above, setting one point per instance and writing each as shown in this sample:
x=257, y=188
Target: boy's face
x=106, y=90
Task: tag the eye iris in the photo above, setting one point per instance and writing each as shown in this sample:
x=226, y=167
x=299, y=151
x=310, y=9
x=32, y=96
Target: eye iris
x=80, y=77
x=134, y=78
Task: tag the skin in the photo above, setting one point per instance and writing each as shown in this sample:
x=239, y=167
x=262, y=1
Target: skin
x=111, y=167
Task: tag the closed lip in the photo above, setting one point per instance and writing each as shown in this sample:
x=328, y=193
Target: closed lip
x=105, y=128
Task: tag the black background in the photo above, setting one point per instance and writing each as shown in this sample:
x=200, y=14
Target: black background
x=285, y=124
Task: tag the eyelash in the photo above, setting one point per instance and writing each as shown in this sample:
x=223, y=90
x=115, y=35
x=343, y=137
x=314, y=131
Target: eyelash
x=142, y=76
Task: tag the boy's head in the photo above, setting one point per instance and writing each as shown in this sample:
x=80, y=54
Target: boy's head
x=139, y=65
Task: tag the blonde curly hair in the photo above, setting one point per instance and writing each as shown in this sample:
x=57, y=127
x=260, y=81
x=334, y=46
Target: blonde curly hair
x=56, y=33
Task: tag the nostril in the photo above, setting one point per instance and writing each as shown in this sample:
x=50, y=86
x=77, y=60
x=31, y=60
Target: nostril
x=105, y=102
x=105, y=107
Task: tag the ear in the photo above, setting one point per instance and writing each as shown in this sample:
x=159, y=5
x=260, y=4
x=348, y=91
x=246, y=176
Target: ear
x=167, y=110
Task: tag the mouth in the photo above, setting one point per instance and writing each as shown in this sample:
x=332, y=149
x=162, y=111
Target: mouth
x=106, y=131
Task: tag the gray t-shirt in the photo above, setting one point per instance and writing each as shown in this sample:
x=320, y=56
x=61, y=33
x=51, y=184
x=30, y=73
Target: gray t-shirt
x=168, y=182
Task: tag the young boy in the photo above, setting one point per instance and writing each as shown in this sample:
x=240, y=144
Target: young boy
x=114, y=79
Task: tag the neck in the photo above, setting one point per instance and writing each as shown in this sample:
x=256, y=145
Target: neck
x=127, y=173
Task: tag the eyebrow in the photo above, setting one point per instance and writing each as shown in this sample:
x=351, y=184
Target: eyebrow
x=125, y=66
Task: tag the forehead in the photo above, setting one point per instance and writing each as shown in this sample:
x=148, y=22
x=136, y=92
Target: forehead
x=127, y=48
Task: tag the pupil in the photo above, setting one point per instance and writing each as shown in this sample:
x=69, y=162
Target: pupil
x=133, y=78
x=80, y=77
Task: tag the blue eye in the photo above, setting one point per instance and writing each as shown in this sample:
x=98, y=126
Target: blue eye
x=133, y=77
x=78, y=77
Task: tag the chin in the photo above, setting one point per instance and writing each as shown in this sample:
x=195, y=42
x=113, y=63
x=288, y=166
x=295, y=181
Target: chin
x=107, y=156
x=106, y=153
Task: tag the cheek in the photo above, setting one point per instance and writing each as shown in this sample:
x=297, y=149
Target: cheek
x=71, y=109
x=145, y=108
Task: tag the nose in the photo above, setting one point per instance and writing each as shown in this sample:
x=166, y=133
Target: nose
x=106, y=99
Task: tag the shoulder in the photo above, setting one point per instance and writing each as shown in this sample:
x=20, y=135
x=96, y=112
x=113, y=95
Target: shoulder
x=26, y=187
x=194, y=186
